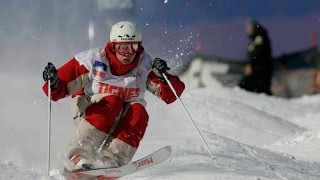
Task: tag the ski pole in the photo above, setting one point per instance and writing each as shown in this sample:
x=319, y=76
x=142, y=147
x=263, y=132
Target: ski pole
x=190, y=117
x=49, y=128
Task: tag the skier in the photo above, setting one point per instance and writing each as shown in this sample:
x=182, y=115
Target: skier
x=108, y=85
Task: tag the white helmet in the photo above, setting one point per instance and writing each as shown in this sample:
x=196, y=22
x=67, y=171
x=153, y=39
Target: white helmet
x=125, y=31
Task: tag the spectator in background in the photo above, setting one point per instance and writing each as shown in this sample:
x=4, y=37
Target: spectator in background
x=257, y=73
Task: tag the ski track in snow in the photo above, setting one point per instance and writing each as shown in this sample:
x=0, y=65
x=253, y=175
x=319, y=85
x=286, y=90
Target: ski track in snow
x=252, y=136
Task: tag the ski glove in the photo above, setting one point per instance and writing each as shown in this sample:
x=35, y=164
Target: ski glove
x=160, y=67
x=50, y=73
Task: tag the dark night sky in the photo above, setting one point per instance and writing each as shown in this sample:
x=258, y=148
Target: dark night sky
x=220, y=23
x=44, y=30
x=187, y=11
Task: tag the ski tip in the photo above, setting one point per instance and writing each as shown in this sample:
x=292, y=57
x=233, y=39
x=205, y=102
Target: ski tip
x=168, y=148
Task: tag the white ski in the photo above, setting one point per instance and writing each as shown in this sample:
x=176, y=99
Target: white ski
x=113, y=173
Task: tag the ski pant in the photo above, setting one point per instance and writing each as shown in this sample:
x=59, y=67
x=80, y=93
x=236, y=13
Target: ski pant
x=109, y=124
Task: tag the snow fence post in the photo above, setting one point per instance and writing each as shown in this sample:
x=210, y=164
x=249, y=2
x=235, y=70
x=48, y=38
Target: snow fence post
x=190, y=117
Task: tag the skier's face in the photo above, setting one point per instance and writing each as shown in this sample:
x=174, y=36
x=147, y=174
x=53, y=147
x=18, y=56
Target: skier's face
x=125, y=52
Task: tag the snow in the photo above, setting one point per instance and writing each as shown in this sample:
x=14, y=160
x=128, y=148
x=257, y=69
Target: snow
x=253, y=136
x=10, y=171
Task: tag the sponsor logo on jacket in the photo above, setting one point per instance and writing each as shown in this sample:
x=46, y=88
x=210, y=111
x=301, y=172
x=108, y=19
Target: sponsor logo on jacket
x=123, y=92
x=99, y=69
x=100, y=64
x=99, y=73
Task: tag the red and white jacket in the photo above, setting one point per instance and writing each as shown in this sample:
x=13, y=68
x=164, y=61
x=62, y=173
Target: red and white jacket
x=97, y=71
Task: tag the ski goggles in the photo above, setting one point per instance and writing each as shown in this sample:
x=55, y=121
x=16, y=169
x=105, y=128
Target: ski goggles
x=126, y=48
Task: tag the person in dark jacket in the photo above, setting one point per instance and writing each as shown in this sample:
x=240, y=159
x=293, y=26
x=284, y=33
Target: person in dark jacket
x=258, y=71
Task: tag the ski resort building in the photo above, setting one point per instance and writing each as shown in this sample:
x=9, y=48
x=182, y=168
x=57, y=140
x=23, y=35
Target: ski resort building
x=294, y=75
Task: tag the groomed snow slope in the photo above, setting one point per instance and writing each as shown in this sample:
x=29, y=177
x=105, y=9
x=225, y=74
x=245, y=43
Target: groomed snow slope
x=253, y=136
